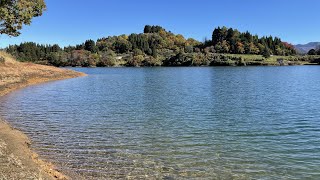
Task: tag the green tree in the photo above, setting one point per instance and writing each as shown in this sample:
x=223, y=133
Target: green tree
x=108, y=58
x=16, y=13
x=279, y=51
x=188, y=49
x=102, y=45
x=147, y=29
x=250, y=48
x=58, y=59
x=232, y=41
x=154, y=52
x=56, y=48
x=152, y=29
x=90, y=45
x=312, y=52
x=135, y=61
x=140, y=41
x=137, y=52
x=219, y=35
x=122, y=46
x=266, y=53
x=225, y=46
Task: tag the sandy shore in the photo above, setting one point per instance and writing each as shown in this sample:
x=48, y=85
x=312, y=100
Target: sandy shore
x=17, y=161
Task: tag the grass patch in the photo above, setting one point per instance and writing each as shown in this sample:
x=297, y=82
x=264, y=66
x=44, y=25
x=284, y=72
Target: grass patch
x=259, y=60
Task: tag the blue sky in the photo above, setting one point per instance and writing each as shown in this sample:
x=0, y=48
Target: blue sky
x=70, y=22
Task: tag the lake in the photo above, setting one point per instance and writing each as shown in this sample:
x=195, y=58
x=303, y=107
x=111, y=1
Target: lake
x=176, y=123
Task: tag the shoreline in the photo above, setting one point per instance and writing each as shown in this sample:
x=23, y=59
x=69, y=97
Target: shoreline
x=267, y=64
x=17, y=160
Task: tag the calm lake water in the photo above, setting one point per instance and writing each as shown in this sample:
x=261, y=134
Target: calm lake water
x=176, y=123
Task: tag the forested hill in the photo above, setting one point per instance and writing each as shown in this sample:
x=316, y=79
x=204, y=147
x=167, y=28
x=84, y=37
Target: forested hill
x=230, y=40
x=154, y=47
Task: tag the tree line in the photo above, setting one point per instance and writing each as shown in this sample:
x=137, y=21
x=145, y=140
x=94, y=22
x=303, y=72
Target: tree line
x=229, y=40
x=154, y=47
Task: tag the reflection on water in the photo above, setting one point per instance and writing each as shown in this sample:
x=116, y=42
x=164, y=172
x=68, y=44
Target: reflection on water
x=176, y=123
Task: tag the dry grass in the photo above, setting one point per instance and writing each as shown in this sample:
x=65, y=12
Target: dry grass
x=16, y=159
x=15, y=74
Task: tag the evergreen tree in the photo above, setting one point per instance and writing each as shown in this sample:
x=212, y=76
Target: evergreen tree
x=266, y=53
x=56, y=48
x=147, y=29
x=90, y=45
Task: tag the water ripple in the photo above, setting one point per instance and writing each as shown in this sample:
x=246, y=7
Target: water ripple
x=176, y=123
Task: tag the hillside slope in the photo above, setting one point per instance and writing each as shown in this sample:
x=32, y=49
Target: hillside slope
x=14, y=75
x=305, y=48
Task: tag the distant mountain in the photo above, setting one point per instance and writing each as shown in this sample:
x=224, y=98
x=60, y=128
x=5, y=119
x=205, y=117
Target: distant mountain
x=305, y=48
